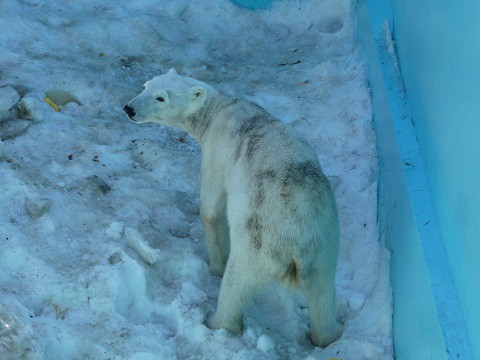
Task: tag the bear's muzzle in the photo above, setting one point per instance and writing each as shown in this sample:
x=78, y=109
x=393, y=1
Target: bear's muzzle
x=129, y=111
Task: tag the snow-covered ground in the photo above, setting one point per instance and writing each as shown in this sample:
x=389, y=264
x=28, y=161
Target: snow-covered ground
x=115, y=266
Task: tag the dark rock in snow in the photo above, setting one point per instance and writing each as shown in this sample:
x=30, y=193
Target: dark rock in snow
x=115, y=258
x=36, y=207
x=96, y=185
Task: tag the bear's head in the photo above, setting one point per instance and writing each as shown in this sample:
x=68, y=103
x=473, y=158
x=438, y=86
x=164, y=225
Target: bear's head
x=168, y=100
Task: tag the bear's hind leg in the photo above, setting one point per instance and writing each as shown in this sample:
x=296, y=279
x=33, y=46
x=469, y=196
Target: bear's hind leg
x=320, y=293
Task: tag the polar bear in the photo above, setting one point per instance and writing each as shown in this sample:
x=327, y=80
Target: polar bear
x=268, y=211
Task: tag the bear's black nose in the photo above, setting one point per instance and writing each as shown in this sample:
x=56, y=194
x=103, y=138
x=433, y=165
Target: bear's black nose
x=130, y=112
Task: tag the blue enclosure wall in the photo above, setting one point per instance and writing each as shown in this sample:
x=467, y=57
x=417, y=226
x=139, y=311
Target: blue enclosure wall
x=425, y=114
x=438, y=47
x=417, y=332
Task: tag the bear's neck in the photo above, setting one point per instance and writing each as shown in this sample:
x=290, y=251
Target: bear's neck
x=197, y=123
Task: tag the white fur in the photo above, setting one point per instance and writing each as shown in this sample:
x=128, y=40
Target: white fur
x=268, y=211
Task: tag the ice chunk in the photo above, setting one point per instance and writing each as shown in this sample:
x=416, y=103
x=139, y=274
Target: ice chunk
x=115, y=230
x=8, y=98
x=32, y=109
x=265, y=343
x=13, y=128
x=21, y=89
x=36, y=207
x=138, y=243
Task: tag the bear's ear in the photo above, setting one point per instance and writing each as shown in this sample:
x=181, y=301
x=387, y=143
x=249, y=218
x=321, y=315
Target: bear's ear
x=198, y=94
x=172, y=72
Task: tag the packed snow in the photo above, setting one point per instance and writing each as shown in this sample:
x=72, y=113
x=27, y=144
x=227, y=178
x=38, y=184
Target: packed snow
x=102, y=254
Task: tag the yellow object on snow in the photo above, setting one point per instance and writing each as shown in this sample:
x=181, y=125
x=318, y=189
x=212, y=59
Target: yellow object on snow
x=52, y=104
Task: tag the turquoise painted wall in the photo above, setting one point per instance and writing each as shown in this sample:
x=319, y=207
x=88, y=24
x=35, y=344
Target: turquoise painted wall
x=417, y=333
x=438, y=46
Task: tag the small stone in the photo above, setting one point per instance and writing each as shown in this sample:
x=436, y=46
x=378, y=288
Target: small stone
x=115, y=258
x=31, y=108
x=96, y=185
x=8, y=97
x=13, y=128
x=36, y=207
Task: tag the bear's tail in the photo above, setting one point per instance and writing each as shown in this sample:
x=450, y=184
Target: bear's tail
x=290, y=276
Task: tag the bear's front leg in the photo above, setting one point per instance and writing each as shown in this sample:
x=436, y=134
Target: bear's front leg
x=215, y=226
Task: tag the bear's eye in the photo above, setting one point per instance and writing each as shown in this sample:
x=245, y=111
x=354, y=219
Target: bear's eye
x=161, y=99
x=143, y=87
